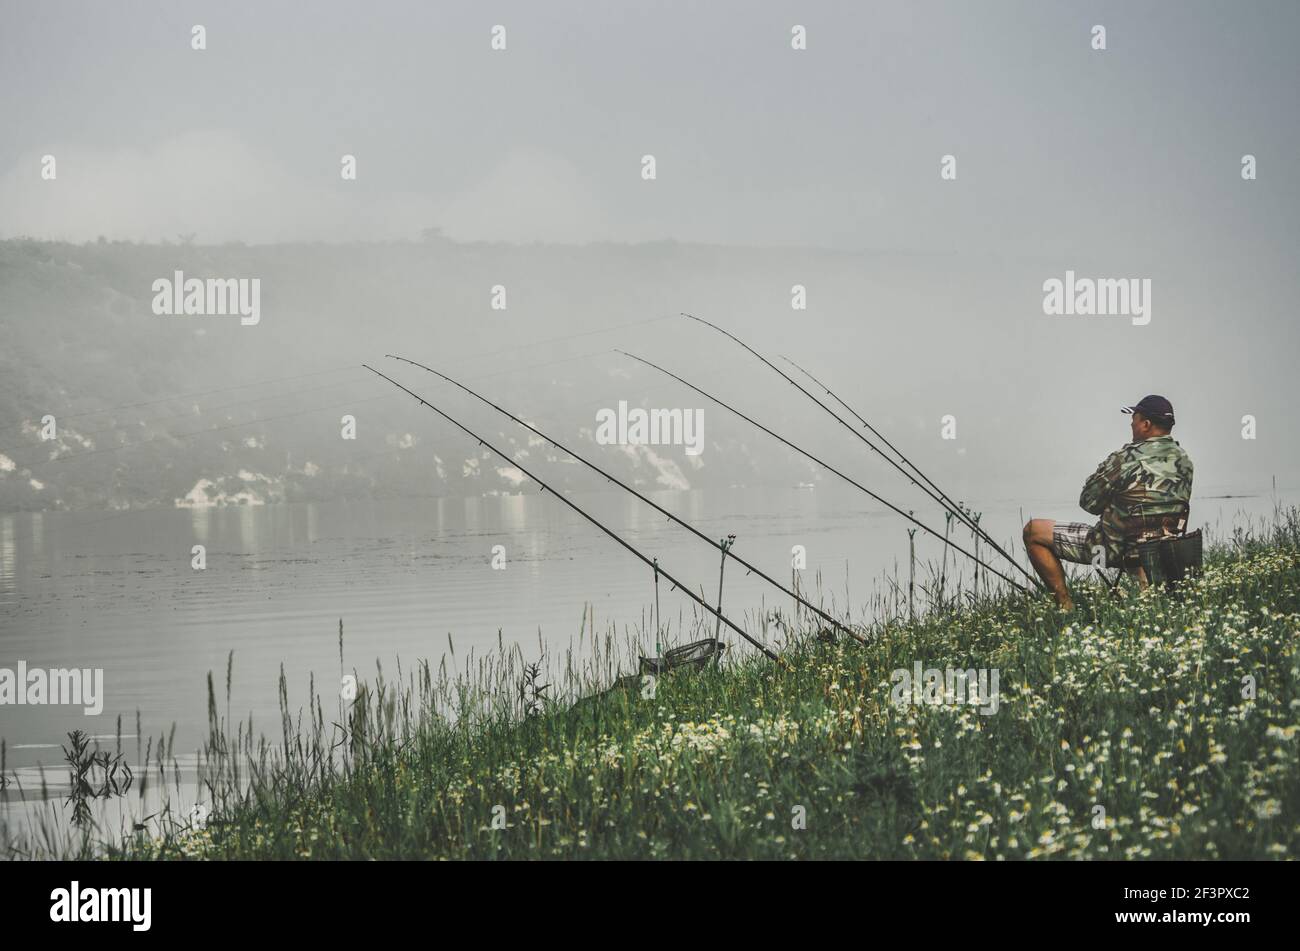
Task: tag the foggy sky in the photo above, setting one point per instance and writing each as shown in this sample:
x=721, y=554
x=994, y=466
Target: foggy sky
x=1058, y=146
x=1122, y=163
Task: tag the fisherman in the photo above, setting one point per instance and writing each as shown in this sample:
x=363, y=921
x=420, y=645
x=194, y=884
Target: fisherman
x=1140, y=491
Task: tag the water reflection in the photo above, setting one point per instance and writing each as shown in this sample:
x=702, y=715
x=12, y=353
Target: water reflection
x=8, y=560
x=200, y=521
x=38, y=537
x=248, y=525
x=473, y=512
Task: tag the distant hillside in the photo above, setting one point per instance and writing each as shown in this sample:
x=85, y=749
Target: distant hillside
x=153, y=409
x=156, y=410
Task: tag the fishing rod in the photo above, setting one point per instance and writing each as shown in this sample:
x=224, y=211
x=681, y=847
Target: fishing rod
x=724, y=547
x=653, y=563
x=953, y=507
x=826, y=465
x=940, y=498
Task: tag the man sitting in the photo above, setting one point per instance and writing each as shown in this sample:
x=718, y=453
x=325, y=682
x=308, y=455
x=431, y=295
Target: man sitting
x=1141, y=491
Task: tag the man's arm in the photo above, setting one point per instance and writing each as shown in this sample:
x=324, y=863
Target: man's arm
x=1102, y=484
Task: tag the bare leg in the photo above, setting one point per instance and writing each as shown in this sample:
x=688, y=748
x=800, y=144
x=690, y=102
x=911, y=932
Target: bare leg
x=1038, y=544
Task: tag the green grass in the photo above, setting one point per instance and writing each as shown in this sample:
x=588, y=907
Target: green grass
x=1134, y=704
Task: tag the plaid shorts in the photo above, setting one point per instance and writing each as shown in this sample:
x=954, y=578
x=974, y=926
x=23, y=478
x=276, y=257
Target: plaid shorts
x=1070, y=542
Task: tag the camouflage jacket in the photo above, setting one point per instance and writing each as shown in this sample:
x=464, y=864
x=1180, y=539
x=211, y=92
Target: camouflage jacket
x=1140, y=491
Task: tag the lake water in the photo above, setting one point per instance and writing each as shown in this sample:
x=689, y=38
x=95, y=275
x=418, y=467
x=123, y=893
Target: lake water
x=117, y=590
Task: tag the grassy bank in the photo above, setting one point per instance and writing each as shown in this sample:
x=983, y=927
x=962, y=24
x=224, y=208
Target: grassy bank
x=1126, y=730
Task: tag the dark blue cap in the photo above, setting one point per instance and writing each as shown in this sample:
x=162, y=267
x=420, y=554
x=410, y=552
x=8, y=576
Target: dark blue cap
x=1155, y=408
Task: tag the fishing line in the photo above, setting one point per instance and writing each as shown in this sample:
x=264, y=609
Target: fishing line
x=651, y=563
x=956, y=510
x=944, y=502
x=893, y=508
x=723, y=547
